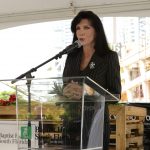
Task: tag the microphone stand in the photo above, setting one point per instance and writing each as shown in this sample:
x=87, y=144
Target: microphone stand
x=28, y=73
x=29, y=77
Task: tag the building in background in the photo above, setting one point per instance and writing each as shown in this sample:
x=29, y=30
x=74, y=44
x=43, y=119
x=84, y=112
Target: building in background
x=135, y=59
x=64, y=38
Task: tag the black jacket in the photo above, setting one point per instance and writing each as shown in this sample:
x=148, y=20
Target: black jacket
x=103, y=70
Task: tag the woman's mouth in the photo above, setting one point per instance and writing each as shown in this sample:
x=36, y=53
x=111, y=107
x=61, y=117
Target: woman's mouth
x=81, y=39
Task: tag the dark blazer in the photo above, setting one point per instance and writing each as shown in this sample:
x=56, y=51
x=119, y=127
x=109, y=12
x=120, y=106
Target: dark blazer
x=103, y=70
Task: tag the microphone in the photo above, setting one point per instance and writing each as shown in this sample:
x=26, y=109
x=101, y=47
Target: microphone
x=70, y=48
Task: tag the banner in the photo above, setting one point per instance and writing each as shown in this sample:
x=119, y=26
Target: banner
x=9, y=135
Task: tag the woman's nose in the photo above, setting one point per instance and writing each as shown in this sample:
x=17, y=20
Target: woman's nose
x=82, y=33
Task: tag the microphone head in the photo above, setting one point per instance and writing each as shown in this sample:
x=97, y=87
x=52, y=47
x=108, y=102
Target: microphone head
x=79, y=44
x=72, y=47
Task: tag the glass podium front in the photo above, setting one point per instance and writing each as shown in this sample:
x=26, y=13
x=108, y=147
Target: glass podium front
x=52, y=114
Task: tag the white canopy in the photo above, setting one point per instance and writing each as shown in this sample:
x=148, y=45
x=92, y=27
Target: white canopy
x=17, y=12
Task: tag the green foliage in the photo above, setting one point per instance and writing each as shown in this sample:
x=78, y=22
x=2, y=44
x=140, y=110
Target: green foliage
x=57, y=89
x=70, y=109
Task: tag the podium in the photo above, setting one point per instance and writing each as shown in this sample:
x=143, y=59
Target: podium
x=48, y=120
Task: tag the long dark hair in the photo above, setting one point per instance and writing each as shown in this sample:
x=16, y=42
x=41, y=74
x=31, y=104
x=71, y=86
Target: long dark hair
x=101, y=45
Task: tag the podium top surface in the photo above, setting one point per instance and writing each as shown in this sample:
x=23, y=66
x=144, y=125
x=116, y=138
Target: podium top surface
x=46, y=84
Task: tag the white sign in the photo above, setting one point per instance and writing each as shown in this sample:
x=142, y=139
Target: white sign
x=9, y=135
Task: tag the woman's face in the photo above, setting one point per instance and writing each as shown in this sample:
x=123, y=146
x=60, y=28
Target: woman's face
x=85, y=33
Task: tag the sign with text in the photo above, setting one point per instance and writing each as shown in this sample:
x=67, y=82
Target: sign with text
x=9, y=135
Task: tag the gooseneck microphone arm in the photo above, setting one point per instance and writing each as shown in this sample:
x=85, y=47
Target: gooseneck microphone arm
x=67, y=50
x=26, y=74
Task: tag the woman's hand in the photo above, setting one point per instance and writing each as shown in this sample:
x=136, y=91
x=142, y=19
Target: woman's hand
x=88, y=90
x=73, y=90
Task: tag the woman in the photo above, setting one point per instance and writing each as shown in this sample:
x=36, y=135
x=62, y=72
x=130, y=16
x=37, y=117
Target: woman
x=93, y=59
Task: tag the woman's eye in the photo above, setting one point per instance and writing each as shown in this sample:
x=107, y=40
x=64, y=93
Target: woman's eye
x=77, y=28
x=83, y=28
x=86, y=27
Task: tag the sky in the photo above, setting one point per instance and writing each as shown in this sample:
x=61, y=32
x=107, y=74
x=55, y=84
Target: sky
x=25, y=47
